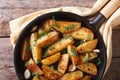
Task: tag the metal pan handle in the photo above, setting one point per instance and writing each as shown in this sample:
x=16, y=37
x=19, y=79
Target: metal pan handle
x=105, y=13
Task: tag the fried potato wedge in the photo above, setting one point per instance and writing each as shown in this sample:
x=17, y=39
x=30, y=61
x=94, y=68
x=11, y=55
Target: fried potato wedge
x=51, y=74
x=91, y=55
x=42, y=78
x=63, y=63
x=83, y=34
x=47, y=39
x=65, y=26
x=33, y=67
x=89, y=68
x=51, y=59
x=46, y=25
x=36, y=51
x=72, y=75
x=73, y=54
x=26, y=52
x=59, y=45
x=87, y=46
x=87, y=77
x=35, y=78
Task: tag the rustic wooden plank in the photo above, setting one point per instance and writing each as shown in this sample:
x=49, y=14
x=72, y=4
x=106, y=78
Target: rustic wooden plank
x=45, y=3
x=114, y=70
x=8, y=74
x=6, y=53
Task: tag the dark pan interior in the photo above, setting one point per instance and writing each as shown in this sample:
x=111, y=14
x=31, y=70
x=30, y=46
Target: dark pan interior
x=64, y=16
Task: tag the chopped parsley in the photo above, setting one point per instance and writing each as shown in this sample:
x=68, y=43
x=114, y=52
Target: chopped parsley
x=70, y=27
x=73, y=52
x=34, y=44
x=38, y=60
x=26, y=63
x=81, y=42
x=54, y=23
x=45, y=55
x=46, y=45
x=88, y=37
x=67, y=36
x=86, y=59
x=98, y=61
x=28, y=48
x=35, y=74
x=41, y=34
x=52, y=67
x=52, y=48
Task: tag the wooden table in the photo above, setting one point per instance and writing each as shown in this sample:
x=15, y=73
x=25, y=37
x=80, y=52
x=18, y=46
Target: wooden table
x=11, y=9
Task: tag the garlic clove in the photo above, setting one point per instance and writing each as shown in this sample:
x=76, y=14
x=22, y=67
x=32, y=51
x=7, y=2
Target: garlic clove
x=96, y=50
x=27, y=74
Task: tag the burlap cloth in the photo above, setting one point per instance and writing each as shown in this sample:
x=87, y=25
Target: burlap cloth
x=17, y=25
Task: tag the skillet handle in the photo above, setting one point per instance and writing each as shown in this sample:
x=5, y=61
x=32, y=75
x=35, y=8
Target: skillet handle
x=110, y=8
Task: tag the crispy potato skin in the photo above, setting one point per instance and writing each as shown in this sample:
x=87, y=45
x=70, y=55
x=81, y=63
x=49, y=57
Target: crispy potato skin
x=72, y=75
x=51, y=74
x=91, y=55
x=87, y=77
x=46, y=25
x=36, y=51
x=26, y=53
x=89, y=68
x=51, y=59
x=48, y=39
x=75, y=58
x=87, y=46
x=63, y=63
x=83, y=34
x=33, y=67
x=60, y=45
x=42, y=78
x=65, y=24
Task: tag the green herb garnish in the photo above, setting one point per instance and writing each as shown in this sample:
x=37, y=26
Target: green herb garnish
x=88, y=37
x=70, y=27
x=46, y=45
x=26, y=63
x=38, y=61
x=35, y=74
x=52, y=67
x=81, y=42
x=34, y=44
x=28, y=48
x=67, y=36
x=54, y=23
x=41, y=34
x=86, y=59
x=45, y=55
x=52, y=48
x=98, y=61
x=73, y=52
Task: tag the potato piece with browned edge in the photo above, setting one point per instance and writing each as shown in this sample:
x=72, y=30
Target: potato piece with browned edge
x=87, y=46
x=46, y=25
x=89, y=68
x=87, y=77
x=91, y=55
x=33, y=67
x=36, y=51
x=63, y=63
x=35, y=78
x=83, y=34
x=73, y=54
x=51, y=59
x=42, y=78
x=50, y=73
x=65, y=26
x=59, y=45
x=26, y=52
x=47, y=39
x=72, y=75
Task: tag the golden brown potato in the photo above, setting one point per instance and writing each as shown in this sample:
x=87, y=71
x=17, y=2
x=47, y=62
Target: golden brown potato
x=51, y=59
x=60, y=45
x=46, y=25
x=91, y=55
x=33, y=67
x=26, y=52
x=87, y=46
x=42, y=78
x=89, y=68
x=72, y=75
x=47, y=39
x=83, y=34
x=63, y=63
x=87, y=77
x=35, y=78
x=65, y=26
x=51, y=74
x=73, y=54
x=36, y=51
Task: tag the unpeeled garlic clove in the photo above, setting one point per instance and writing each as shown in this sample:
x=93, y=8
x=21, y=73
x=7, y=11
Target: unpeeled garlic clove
x=27, y=74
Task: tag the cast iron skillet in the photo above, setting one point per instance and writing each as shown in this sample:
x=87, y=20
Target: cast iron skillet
x=64, y=16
